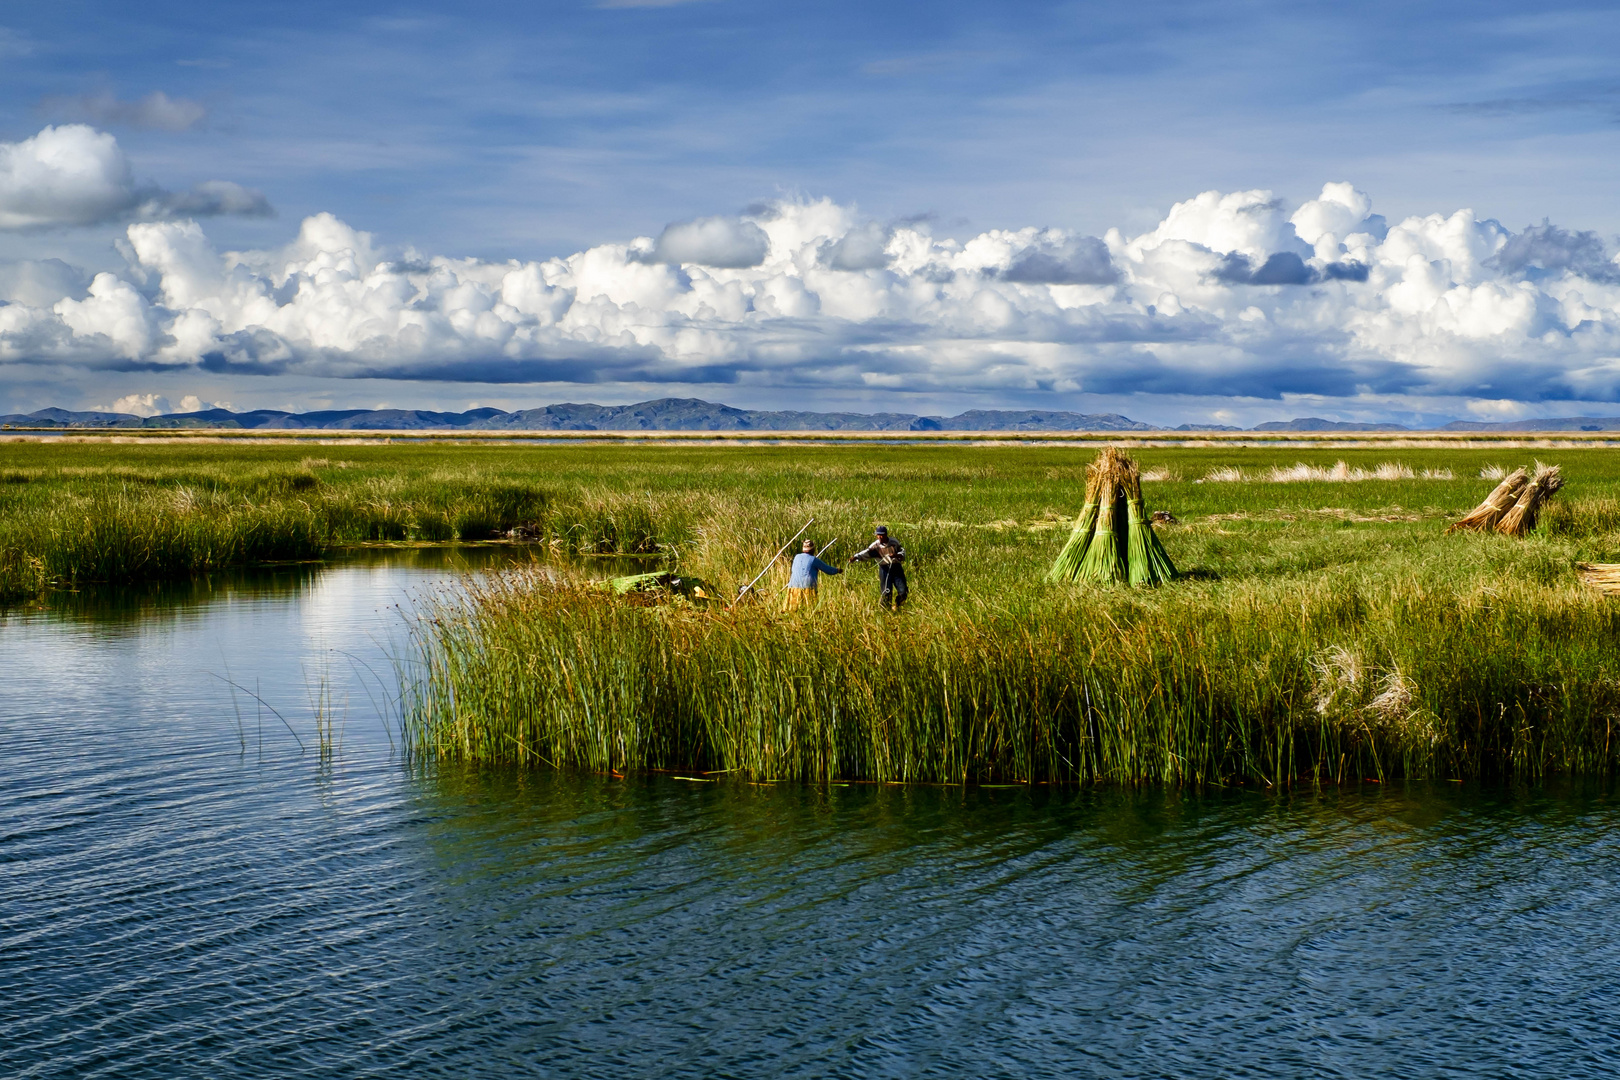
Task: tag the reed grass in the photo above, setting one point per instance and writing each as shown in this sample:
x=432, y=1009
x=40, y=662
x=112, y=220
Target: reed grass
x=1320, y=629
x=1371, y=674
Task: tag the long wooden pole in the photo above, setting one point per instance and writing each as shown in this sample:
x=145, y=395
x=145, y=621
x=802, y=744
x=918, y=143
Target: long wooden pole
x=745, y=589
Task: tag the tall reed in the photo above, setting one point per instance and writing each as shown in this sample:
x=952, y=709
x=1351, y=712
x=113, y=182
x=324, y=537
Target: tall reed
x=1311, y=680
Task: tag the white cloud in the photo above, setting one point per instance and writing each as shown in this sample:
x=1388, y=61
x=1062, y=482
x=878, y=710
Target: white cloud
x=142, y=405
x=1235, y=296
x=73, y=174
x=69, y=175
x=145, y=405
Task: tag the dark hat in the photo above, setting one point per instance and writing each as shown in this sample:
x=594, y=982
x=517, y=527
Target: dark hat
x=881, y=530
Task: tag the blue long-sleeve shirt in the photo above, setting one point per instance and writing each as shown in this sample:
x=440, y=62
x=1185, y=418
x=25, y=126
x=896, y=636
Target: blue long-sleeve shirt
x=805, y=569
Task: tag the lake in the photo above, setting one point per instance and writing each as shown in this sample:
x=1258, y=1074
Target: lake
x=189, y=886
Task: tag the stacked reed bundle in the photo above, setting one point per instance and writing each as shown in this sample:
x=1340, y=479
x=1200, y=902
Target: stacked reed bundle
x=1512, y=508
x=1486, y=515
x=1113, y=539
x=1543, y=486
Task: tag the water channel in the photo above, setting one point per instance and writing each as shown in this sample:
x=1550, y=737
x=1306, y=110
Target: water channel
x=188, y=887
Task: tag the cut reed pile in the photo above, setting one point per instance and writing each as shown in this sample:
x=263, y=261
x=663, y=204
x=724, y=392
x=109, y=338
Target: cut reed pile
x=1514, y=505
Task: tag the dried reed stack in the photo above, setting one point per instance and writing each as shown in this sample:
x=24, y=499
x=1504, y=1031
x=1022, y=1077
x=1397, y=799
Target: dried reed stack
x=1113, y=538
x=1486, y=515
x=1522, y=518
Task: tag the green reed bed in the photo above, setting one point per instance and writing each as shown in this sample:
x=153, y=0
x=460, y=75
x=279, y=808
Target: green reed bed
x=1321, y=628
x=1397, y=666
x=127, y=516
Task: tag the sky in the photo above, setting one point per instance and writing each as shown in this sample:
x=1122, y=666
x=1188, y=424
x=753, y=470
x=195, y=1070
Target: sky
x=1186, y=213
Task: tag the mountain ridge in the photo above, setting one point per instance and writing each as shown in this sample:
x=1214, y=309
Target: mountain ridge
x=694, y=414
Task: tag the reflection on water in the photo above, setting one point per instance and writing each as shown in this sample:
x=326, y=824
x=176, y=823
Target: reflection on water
x=183, y=892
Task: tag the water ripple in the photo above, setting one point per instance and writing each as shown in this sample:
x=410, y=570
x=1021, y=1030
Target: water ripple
x=181, y=896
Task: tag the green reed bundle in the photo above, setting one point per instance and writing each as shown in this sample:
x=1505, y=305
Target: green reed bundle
x=1067, y=566
x=1145, y=556
x=1113, y=539
x=1487, y=514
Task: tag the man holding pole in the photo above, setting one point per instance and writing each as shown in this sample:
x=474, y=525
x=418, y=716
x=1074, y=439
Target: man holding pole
x=891, y=560
x=807, y=567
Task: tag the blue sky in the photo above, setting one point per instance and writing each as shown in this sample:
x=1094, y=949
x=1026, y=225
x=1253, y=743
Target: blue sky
x=502, y=132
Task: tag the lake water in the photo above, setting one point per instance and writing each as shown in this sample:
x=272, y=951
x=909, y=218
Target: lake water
x=186, y=892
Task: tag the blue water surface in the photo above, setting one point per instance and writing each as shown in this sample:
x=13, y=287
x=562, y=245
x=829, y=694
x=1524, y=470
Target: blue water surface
x=189, y=887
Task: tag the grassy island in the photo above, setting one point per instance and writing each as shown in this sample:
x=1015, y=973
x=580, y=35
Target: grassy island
x=1324, y=626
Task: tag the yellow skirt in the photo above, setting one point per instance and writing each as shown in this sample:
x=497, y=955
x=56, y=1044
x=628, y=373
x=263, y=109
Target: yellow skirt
x=800, y=598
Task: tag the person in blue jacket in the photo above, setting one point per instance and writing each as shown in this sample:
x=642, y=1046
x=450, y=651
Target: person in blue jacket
x=807, y=568
x=891, y=560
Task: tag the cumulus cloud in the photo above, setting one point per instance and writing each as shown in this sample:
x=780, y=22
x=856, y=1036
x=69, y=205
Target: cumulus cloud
x=1236, y=294
x=73, y=174
x=145, y=405
x=726, y=243
x=156, y=111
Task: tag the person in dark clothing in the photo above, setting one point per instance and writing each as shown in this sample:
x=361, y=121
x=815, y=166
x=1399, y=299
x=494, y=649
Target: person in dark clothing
x=891, y=563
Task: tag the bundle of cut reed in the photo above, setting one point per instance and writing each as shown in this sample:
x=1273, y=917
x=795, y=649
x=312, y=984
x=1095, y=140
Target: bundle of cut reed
x=1113, y=538
x=1145, y=556
x=1522, y=518
x=1067, y=566
x=1487, y=514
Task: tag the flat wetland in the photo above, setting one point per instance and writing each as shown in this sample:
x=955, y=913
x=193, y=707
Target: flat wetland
x=1322, y=630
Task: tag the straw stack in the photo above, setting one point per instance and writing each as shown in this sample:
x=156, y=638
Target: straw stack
x=1486, y=515
x=1543, y=486
x=1113, y=538
x=1513, y=507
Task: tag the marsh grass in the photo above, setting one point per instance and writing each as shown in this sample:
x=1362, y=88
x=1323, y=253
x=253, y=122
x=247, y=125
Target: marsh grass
x=1322, y=629
x=146, y=517
x=1311, y=640
x=1375, y=674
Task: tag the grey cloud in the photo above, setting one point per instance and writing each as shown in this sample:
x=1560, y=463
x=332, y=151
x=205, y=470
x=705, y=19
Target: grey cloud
x=211, y=198
x=1573, y=97
x=1284, y=268
x=1079, y=260
x=41, y=283
x=722, y=242
x=1549, y=249
x=156, y=111
x=1347, y=270
x=862, y=248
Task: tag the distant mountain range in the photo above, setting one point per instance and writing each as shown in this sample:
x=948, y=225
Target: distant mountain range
x=665, y=414
x=691, y=414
